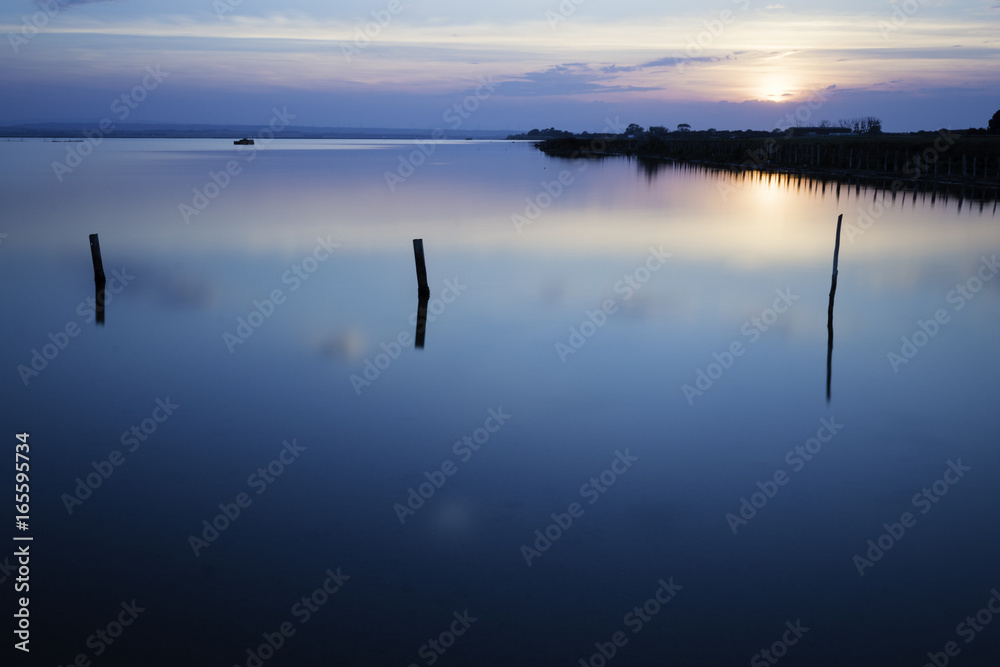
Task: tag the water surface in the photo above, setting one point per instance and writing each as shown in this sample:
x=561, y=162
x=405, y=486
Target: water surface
x=667, y=325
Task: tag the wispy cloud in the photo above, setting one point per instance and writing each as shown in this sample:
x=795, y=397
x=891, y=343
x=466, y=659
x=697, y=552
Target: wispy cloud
x=43, y=4
x=567, y=79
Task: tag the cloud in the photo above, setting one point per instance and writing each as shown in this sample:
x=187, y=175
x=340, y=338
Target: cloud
x=42, y=4
x=669, y=61
x=674, y=61
x=568, y=79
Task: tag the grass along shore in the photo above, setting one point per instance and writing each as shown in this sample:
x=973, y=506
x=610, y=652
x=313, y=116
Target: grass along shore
x=945, y=157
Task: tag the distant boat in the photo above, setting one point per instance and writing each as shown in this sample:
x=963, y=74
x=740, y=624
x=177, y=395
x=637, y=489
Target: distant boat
x=244, y=142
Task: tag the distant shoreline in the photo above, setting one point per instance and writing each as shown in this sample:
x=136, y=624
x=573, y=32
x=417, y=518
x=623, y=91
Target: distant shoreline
x=906, y=162
x=195, y=131
x=74, y=138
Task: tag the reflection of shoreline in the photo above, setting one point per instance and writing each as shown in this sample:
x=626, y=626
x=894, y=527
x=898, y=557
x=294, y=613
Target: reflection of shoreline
x=900, y=158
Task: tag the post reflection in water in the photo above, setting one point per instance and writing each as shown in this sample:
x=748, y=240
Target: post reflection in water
x=99, y=303
x=421, y=319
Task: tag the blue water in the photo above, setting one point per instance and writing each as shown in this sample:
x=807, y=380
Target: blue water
x=634, y=351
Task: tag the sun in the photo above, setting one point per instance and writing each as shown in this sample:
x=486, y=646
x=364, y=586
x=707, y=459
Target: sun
x=775, y=89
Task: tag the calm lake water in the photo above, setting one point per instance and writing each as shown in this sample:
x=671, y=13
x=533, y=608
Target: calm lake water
x=615, y=446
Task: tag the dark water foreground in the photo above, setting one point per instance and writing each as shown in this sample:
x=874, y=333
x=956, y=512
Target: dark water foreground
x=615, y=446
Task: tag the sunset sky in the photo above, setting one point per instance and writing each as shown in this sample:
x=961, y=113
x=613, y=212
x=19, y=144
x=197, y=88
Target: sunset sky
x=728, y=64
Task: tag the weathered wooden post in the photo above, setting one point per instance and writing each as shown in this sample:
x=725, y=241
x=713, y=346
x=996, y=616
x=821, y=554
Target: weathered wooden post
x=829, y=312
x=95, y=255
x=418, y=256
x=99, y=279
x=423, y=292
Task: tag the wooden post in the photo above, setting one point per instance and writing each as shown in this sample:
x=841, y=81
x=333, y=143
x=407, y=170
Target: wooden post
x=829, y=312
x=423, y=292
x=418, y=256
x=95, y=255
x=99, y=279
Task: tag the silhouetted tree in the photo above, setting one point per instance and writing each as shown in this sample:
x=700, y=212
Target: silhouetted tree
x=683, y=127
x=657, y=130
x=871, y=125
x=864, y=125
x=633, y=128
x=994, y=126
